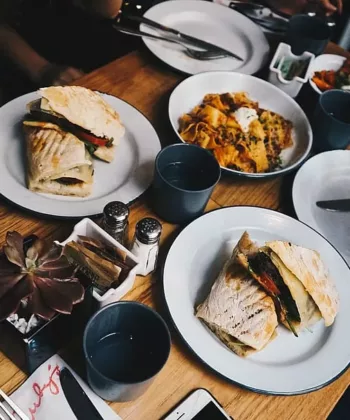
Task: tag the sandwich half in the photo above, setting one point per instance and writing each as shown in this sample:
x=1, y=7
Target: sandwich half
x=83, y=113
x=297, y=280
x=57, y=162
x=238, y=310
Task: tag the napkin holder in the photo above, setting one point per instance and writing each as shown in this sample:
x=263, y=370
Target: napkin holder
x=87, y=227
x=282, y=62
x=29, y=351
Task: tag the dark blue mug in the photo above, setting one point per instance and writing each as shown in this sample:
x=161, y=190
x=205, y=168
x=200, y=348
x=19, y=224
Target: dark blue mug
x=331, y=121
x=307, y=33
x=125, y=344
x=184, y=178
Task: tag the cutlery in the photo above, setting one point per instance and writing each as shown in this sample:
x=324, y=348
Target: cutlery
x=184, y=37
x=78, y=401
x=197, y=54
x=14, y=409
x=335, y=205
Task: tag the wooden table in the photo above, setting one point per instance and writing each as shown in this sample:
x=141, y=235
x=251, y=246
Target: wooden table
x=146, y=83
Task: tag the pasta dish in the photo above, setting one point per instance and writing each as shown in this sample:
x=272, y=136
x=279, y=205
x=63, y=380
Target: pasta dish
x=241, y=135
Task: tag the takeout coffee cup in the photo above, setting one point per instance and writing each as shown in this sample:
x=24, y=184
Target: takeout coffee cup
x=125, y=344
x=331, y=121
x=184, y=178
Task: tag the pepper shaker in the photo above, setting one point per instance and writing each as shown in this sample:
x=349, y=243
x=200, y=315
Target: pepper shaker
x=146, y=244
x=115, y=221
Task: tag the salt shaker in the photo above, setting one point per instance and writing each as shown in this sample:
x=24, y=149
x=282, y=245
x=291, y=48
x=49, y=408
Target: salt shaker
x=146, y=244
x=115, y=221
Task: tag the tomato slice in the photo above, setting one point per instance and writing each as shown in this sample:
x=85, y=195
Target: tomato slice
x=269, y=284
x=83, y=135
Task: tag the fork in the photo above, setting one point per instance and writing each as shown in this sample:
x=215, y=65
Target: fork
x=14, y=409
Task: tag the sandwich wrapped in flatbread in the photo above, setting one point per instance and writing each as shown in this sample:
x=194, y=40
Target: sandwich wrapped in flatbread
x=83, y=113
x=238, y=310
x=57, y=161
x=297, y=280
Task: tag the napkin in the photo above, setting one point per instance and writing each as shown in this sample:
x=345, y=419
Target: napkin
x=41, y=396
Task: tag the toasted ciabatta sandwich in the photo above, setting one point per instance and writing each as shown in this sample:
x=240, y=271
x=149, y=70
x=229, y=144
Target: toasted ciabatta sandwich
x=238, y=310
x=297, y=280
x=83, y=113
x=57, y=161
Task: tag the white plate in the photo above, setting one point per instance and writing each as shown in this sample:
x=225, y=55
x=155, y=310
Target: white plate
x=125, y=179
x=191, y=92
x=288, y=365
x=325, y=62
x=325, y=177
x=213, y=23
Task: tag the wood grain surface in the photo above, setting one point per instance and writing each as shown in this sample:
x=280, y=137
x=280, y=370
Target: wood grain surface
x=146, y=83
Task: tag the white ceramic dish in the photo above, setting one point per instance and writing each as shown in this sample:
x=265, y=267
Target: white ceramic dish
x=192, y=90
x=213, y=23
x=325, y=177
x=288, y=365
x=87, y=227
x=125, y=179
x=325, y=62
x=284, y=53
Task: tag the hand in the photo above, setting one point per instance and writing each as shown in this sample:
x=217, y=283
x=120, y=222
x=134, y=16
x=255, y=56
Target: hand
x=54, y=75
x=330, y=6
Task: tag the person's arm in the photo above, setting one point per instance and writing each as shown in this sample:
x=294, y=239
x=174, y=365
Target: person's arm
x=36, y=67
x=21, y=53
x=104, y=8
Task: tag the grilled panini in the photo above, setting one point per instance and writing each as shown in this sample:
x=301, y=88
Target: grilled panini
x=83, y=113
x=296, y=279
x=57, y=161
x=238, y=310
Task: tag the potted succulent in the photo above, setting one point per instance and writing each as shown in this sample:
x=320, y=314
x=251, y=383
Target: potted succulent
x=42, y=301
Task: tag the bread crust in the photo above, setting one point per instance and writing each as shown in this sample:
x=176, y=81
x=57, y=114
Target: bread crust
x=85, y=108
x=308, y=267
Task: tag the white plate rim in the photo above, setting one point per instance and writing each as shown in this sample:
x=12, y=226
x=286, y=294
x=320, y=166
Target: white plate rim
x=304, y=215
x=212, y=369
x=35, y=210
x=274, y=174
x=264, y=49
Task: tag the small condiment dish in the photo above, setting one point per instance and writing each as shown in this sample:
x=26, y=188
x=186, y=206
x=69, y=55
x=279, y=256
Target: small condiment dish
x=289, y=71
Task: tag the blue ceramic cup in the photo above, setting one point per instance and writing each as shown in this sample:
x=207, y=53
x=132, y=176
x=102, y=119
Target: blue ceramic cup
x=125, y=345
x=184, y=178
x=331, y=121
x=307, y=33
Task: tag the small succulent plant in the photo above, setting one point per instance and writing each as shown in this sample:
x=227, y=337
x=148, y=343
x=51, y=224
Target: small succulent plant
x=39, y=277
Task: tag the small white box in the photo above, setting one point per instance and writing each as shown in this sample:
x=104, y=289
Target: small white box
x=87, y=227
x=291, y=87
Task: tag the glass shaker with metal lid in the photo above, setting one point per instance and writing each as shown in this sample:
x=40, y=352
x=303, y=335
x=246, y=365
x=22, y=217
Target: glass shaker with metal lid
x=146, y=244
x=116, y=221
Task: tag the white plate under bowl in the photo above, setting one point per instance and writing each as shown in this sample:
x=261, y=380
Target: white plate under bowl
x=125, y=179
x=213, y=23
x=192, y=90
x=324, y=62
x=288, y=365
x=325, y=177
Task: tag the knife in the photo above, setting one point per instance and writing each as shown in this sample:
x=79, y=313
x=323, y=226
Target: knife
x=78, y=401
x=183, y=37
x=335, y=205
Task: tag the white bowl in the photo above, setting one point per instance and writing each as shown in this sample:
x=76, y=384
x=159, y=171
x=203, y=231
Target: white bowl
x=192, y=90
x=87, y=227
x=325, y=62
